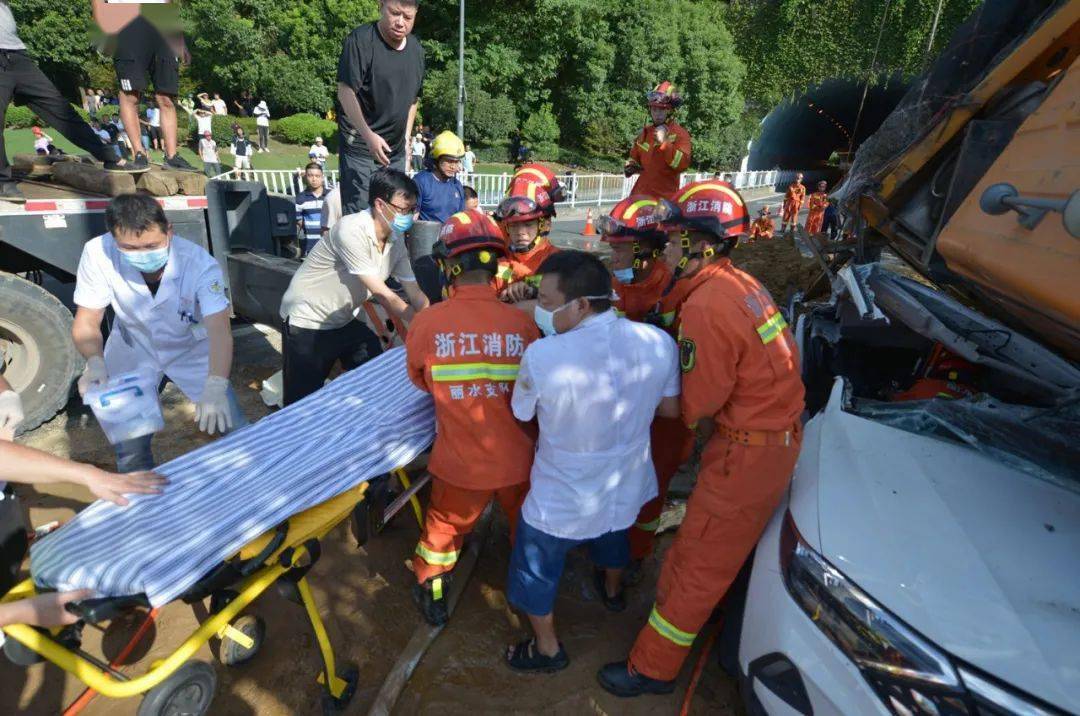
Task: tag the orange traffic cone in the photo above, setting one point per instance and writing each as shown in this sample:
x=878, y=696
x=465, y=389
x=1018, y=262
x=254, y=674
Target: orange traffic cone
x=590, y=230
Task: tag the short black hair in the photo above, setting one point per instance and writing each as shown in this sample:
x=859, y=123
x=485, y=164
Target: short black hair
x=580, y=274
x=313, y=165
x=134, y=213
x=387, y=182
x=470, y=193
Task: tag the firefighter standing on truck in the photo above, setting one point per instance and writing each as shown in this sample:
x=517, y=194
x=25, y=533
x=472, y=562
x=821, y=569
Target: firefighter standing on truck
x=641, y=279
x=742, y=388
x=525, y=215
x=465, y=351
x=793, y=201
x=661, y=153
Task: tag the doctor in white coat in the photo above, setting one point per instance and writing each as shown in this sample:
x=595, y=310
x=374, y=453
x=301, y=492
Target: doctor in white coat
x=172, y=317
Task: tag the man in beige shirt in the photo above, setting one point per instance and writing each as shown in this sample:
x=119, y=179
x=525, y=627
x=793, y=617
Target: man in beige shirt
x=348, y=267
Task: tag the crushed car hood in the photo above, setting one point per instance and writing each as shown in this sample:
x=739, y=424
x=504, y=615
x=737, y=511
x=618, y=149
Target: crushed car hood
x=976, y=555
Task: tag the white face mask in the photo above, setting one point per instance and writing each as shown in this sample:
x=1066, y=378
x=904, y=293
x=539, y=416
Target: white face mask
x=545, y=319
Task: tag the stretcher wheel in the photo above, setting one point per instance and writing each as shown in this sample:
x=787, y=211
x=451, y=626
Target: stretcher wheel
x=331, y=705
x=189, y=691
x=21, y=655
x=233, y=653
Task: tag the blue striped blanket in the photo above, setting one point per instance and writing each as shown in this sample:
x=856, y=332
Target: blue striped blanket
x=227, y=493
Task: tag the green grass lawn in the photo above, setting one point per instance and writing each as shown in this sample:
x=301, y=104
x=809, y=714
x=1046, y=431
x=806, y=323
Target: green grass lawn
x=280, y=156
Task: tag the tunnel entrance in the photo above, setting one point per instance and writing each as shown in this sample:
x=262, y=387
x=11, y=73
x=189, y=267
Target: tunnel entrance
x=805, y=132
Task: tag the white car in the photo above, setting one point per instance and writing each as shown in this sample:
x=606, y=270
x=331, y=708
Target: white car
x=927, y=560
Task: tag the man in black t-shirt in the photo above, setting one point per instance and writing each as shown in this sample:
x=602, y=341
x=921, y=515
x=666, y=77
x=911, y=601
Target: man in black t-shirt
x=379, y=77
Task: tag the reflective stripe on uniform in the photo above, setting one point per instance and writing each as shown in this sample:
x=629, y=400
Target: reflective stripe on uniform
x=772, y=328
x=643, y=147
x=668, y=318
x=454, y=372
x=438, y=559
x=648, y=526
x=678, y=158
x=506, y=273
x=669, y=631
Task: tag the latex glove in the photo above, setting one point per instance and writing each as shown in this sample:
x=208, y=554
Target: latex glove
x=11, y=414
x=94, y=373
x=47, y=610
x=212, y=413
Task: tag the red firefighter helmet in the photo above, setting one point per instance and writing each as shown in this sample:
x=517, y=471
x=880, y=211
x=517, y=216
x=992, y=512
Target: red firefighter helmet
x=664, y=96
x=533, y=205
x=711, y=207
x=632, y=219
x=470, y=230
x=538, y=174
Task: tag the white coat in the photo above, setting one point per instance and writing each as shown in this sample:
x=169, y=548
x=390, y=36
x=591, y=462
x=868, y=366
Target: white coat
x=163, y=332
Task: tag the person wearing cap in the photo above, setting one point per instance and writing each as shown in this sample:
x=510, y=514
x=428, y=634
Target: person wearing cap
x=209, y=155
x=594, y=384
x=318, y=152
x=815, y=209
x=741, y=385
x=262, y=124
x=662, y=151
x=171, y=317
x=643, y=283
x=346, y=268
x=43, y=143
x=763, y=227
x=465, y=351
x=525, y=215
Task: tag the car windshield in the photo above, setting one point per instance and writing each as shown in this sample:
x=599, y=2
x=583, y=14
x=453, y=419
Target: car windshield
x=1042, y=442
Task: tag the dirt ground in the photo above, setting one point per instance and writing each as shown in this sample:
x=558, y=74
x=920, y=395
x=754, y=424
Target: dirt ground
x=364, y=595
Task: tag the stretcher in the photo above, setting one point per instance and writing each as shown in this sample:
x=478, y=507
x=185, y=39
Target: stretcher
x=280, y=555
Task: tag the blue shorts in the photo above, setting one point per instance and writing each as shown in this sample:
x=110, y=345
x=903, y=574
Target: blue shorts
x=536, y=564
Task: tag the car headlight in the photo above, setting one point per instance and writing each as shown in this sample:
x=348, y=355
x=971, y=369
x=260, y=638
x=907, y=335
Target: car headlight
x=909, y=674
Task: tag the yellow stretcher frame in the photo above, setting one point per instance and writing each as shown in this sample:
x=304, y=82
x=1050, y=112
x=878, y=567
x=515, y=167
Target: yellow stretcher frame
x=313, y=524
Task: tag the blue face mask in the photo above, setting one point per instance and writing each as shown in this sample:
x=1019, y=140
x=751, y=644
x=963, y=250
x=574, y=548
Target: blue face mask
x=401, y=223
x=625, y=275
x=147, y=261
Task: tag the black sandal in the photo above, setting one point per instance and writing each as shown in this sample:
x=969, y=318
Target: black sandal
x=612, y=604
x=526, y=657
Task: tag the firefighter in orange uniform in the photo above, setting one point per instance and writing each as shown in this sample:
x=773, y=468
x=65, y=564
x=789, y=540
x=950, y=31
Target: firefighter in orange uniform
x=763, y=227
x=793, y=201
x=525, y=215
x=816, y=205
x=742, y=388
x=641, y=279
x=661, y=153
x=466, y=354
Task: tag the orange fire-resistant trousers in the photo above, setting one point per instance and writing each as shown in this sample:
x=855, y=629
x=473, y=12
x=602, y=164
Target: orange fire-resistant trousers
x=451, y=515
x=814, y=221
x=791, y=212
x=672, y=445
x=738, y=489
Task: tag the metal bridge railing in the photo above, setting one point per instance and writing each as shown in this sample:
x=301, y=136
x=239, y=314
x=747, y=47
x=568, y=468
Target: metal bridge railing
x=580, y=189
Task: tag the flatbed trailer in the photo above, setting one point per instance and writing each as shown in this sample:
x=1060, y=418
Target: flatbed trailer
x=241, y=225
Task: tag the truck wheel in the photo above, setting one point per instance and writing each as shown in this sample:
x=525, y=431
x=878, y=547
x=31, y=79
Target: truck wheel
x=36, y=353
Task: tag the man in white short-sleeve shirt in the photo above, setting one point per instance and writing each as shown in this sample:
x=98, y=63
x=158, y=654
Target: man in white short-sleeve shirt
x=595, y=383
x=348, y=267
x=172, y=317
